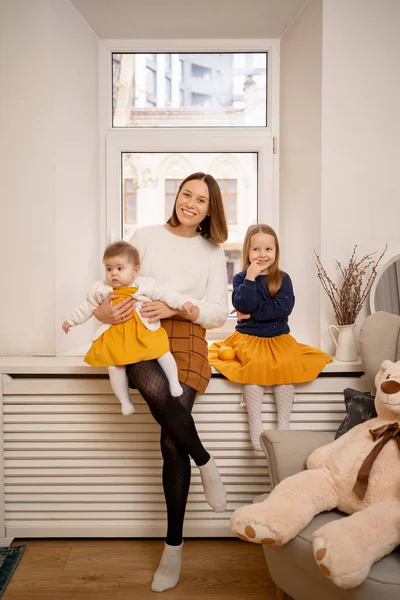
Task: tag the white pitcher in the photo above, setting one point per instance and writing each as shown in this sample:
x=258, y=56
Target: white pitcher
x=345, y=344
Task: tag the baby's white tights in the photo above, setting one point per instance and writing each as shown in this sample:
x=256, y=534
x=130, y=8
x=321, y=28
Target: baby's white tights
x=168, y=365
x=119, y=384
x=119, y=381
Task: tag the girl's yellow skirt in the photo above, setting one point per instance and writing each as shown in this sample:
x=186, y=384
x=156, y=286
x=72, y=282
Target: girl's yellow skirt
x=128, y=342
x=268, y=361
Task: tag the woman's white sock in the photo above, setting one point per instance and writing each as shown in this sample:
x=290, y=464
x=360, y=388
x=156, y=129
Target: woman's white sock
x=284, y=396
x=253, y=397
x=214, y=490
x=169, y=569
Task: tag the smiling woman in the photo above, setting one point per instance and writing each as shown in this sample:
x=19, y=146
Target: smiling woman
x=191, y=258
x=185, y=255
x=198, y=209
x=192, y=204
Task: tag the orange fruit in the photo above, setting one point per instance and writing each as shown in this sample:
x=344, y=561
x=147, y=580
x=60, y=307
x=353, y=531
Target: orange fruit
x=226, y=353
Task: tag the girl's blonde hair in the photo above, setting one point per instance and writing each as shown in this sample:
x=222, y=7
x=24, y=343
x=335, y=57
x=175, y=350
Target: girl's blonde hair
x=122, y=248
x=275, y=275
x=213, y=227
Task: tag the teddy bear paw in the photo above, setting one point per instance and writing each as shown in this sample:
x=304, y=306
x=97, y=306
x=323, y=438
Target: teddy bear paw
x=344, y=563
x=252, y=531
x=321, y=555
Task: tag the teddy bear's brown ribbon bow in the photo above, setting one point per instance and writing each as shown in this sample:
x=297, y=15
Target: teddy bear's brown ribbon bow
x=386, y=432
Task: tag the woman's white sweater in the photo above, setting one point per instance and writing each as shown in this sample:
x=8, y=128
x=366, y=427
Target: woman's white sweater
x=193, y=267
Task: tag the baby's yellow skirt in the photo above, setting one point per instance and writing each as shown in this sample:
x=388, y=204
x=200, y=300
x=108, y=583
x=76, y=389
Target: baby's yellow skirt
x=127, y=343
x=268, y=361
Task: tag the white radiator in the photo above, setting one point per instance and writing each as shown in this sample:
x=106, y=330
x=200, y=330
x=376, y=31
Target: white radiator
x=75, y=467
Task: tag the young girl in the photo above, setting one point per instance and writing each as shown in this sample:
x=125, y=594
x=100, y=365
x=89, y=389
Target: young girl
x=266, y=354
x=135, y=339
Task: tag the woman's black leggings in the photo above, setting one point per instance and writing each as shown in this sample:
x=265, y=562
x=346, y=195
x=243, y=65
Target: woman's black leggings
x=179, y=438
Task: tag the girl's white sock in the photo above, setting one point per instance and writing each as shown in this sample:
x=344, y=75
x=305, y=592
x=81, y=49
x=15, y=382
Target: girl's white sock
x=284, y=396
x=169, y=569
x=253, y=397
x=214, y=490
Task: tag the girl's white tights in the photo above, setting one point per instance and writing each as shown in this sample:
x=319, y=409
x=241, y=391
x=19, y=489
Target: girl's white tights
x=119, y=381
x=284, y=396
x=253, y=397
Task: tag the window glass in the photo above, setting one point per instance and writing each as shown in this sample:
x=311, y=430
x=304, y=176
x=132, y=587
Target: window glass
x=204, y=90
x=129, y=201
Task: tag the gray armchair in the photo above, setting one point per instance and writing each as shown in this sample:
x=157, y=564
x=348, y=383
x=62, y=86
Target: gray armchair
x=292, y=567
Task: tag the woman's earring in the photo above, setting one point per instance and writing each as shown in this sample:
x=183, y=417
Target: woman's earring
x=198, y=228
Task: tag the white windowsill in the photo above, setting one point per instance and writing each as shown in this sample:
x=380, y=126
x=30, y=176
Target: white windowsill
x=74, y=365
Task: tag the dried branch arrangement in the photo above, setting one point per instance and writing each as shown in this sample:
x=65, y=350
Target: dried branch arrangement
x=348, y=300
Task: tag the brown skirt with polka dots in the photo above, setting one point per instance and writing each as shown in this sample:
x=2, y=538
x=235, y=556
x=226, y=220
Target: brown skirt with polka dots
x=189, y=347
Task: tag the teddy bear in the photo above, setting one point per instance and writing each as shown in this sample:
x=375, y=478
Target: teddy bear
x=359, y=474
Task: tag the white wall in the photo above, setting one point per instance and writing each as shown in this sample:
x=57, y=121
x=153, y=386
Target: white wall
x=360, y=132
x=300, y=165
x=340, y=149
x=49, y=168
x=77, y=176
x=26, y=181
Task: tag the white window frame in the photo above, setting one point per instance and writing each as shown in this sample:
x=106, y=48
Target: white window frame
x=188, y=139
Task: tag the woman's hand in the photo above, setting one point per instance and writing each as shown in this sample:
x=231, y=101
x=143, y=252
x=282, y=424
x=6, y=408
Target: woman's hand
x=156, y=310
x=114, y=314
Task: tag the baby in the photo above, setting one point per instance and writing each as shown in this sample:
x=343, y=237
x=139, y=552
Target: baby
x=134, y=340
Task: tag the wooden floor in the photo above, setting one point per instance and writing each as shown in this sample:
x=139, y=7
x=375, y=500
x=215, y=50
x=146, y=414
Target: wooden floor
x=123, y=569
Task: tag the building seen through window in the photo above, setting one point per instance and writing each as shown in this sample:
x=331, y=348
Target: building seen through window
x=129, y=200
x=221, y=90
x=171, y=190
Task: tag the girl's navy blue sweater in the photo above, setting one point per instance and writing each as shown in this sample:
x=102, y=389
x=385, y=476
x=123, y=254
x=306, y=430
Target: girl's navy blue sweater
x=269, y=316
